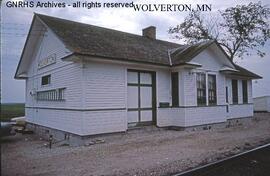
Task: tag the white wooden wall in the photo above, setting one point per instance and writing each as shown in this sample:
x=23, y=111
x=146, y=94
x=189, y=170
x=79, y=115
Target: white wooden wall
x=241, y=110
x=63, y=75
x=205, y=115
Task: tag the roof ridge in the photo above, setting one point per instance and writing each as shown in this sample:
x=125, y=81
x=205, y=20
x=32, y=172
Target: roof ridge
x=105, y=28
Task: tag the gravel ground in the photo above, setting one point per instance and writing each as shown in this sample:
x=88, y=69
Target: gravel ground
x=148, y=151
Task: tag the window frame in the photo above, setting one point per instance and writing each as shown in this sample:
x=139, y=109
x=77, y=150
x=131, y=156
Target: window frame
x=235, y=99
x=48, y=80
x=245, y=91
x=175, y=89
x=51, y=95
x=212, y=90
x=201, y=89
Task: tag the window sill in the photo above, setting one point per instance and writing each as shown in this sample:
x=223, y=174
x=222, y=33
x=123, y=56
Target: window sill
x=241, y=104
x=52, y=100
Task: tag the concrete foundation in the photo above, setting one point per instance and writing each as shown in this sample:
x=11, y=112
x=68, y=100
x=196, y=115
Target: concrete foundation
x=76, y=140
x=57, y=135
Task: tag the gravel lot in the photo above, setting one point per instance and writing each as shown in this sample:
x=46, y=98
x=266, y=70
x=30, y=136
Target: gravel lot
x=148, y=151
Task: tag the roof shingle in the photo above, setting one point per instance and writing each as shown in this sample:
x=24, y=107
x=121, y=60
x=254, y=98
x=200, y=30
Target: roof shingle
x=92, y=40
x=97, y=41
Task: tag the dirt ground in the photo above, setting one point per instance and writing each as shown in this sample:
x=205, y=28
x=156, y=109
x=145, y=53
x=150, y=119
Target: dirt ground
x=148, y=151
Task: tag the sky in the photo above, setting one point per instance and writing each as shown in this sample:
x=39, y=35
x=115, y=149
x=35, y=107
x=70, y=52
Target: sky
x=15, y=23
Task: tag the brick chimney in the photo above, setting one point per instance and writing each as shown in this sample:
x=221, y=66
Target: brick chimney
x=149, y=32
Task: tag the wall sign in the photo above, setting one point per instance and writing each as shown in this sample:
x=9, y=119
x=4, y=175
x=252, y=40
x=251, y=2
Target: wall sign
x=51, y=59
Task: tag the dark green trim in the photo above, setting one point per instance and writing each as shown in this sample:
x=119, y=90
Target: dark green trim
x=140, y=71
x=154, y=98
x=72, y=109
x=242, y=104
x=175, y=88
x=139, y=85
x=139, y=95
x=192, y=106
x=139, y=109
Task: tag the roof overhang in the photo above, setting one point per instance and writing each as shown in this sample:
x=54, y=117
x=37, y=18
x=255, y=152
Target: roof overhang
x=228, y=70
x=30, y=43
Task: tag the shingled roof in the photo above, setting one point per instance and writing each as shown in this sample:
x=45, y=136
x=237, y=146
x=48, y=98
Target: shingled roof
x=245, y=72
x=186, y=53
x=97, y=41
x=85, y=39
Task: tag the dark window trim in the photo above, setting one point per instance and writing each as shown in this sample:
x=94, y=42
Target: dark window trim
x=214, y=90
x=141, y=85
x=235, y=91
x=201, y=89
x=44, y=81
x=245, y=91
x=153, y=85
x=175, y=88
x=206, y=106
x=227, y=94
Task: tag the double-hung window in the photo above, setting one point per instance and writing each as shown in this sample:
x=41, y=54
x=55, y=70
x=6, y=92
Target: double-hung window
x=235, y=91
x=245, y=91
x=175, y=89
x=212, y=95
x=201, y=88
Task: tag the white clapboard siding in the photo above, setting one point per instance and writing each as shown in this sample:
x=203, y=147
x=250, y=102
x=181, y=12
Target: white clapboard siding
x=98, y=122
x=189, y=89
x=68, y=77
x=69, y=121
x=48, y=45
x=221, y=89
x=241, y=110
x=204, y=115
x=63, y=75
x=105, y=85
x=171, y=117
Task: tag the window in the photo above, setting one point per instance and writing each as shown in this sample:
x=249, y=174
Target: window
x=46, y=80
x=175, y=89
x=201, y=89
x=234, y=91
x=212, y=95
x=227, y=95
x=51, y=95
x=245, y=92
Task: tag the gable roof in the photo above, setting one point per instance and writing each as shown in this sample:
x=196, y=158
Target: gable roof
x=85, y=39
x=92, y=40
x=186, y=53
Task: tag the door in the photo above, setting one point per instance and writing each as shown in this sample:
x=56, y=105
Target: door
x=141, y=97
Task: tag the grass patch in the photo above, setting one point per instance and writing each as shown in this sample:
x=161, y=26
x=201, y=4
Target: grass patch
x=11, y=110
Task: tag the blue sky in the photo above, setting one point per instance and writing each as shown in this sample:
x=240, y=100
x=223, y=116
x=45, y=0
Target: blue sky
x=15, y=23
